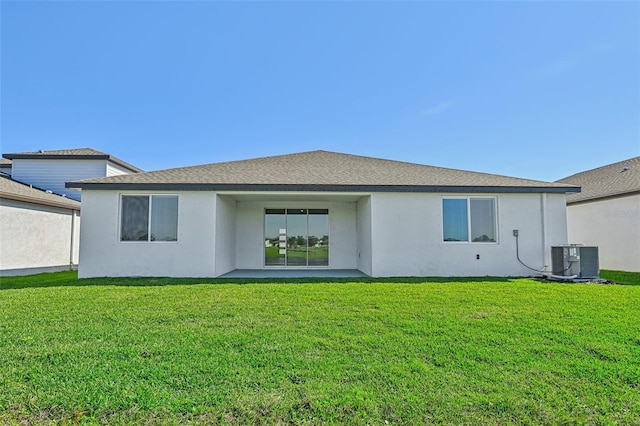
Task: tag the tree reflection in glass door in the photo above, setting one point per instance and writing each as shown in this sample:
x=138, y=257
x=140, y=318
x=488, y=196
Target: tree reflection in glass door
x=318, y=239
x=296, y=237
x=275, y=225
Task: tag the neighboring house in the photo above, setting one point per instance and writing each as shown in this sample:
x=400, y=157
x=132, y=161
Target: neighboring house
x=5, y=166
x=39, y=231
x=607, y=213
x=39, y=215
x=50, y=170
x=318, y=210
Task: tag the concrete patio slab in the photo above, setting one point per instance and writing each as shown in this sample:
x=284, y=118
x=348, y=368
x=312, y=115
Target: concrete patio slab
x=294, y=273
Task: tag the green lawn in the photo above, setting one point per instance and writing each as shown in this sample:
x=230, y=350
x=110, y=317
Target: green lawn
x=621, y=277
x=402, y=351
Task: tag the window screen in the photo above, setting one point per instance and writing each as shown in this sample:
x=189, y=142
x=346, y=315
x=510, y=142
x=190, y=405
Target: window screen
x=135, y=218
x=149, y=218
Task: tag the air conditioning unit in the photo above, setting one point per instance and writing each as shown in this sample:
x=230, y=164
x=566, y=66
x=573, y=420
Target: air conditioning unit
x=573, y=259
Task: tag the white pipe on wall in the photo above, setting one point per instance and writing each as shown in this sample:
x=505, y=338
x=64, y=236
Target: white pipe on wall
x=73, y=231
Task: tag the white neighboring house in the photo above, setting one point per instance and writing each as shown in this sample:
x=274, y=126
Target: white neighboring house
x=50, y=170
x=40, y=217
x=607, y=213
x=39, y=231
x=318, y=211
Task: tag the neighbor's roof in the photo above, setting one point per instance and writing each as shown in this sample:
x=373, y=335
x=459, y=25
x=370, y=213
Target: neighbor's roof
x=5, y=163
x=319, y=171
x=14, y=190
x=71, y=154
x=614, y=180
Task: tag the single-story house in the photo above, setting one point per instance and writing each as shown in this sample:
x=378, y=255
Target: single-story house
x=607, y=213
x=50, y=170
x=319, y=210
x=39, y=230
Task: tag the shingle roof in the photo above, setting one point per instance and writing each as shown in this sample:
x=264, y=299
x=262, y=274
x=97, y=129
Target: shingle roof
x=315, y=171
x=14, y=190
x=617, y=179
x=59, y=152
x=71, y=154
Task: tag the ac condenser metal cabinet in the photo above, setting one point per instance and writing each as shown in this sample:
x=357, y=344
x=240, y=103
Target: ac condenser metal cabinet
x=575, y=260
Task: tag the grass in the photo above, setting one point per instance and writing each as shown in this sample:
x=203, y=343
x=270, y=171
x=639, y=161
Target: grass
x=621, y=277
x=398, y=351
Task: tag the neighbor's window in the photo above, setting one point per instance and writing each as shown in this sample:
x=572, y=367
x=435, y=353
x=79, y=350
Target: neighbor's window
x=149, y=218
x=469, y=219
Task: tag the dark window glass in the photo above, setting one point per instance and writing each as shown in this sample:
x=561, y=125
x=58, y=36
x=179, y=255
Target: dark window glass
x=135, y=225
x=135, y=218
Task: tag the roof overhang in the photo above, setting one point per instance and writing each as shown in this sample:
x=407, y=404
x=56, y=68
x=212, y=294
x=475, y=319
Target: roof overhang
x=19, y=156
x=603, y=197
x=318, y=188
x=32, y=200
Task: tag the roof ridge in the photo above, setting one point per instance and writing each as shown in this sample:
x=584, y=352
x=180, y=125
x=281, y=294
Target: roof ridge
x=449, y=169
x=54, y=151
x=320, y=170
x=427, y=165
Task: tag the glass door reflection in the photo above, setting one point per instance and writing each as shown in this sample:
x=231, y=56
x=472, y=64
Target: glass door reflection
x=318, y=237
x=296, y=237
x=275, y=228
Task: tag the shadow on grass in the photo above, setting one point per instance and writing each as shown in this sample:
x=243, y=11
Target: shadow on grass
x=70, y=279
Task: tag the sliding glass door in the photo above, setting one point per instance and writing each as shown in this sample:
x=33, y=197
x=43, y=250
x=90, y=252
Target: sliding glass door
x=296, y=237
x=318, y=237
x=275, y=237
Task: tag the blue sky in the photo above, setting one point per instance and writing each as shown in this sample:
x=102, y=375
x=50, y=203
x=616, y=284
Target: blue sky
x=531, y=89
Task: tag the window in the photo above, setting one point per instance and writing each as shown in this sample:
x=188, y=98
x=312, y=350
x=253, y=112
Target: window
x=469, y=219
x=149, y=218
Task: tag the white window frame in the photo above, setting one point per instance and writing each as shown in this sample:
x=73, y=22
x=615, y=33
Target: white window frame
x=468, y=198
x=149, y=240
